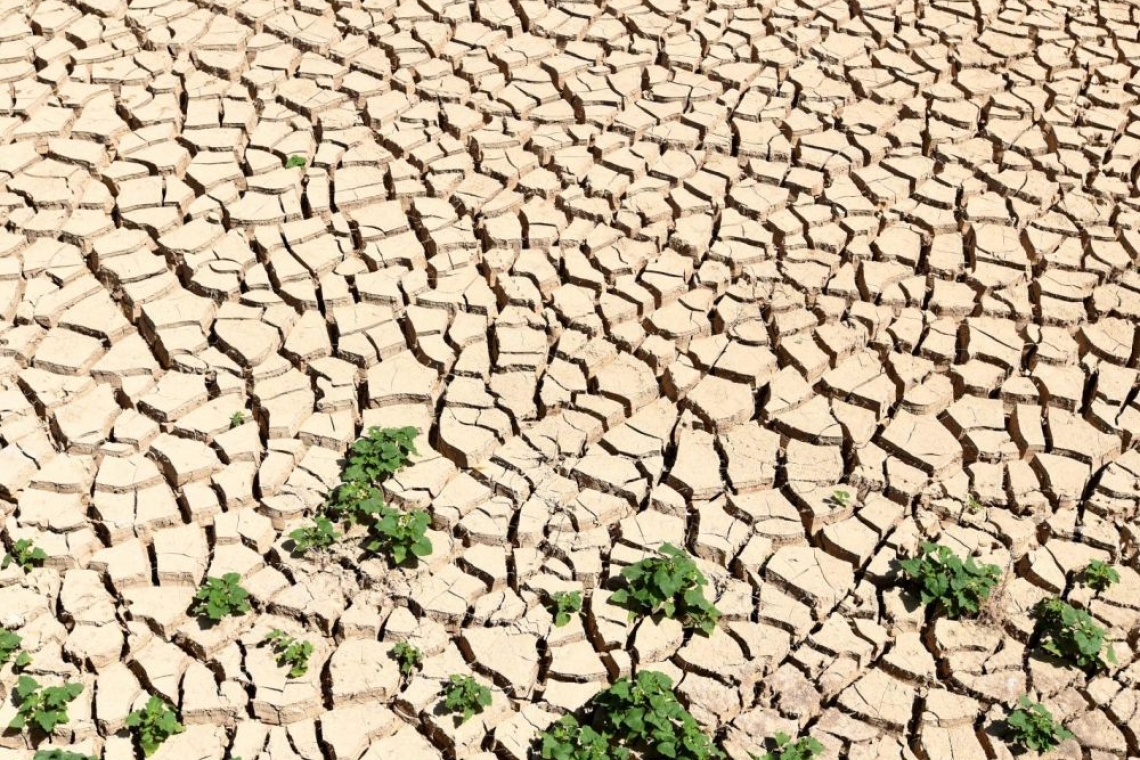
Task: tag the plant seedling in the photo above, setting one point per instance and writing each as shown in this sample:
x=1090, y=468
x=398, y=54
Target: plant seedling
x=356, y=503
x=942, y=578
x=1033, y=727
x=841, y=497
x=804, y=748
x=25, y=554
x=381, y=453
x=564, y=605
x=9, y=644
x=1071, y=635
x=400, y=535
x=466, y=696
x=43, y=706
x=237, y=419
x=974, y=504
x=60, y=754
x=408, y=656
x=296, y=162
x=569, y=740
x=219, y=598
x=319, y=535
x=671, y=585
x=290, y=652
x=643, y=715
x=156, y=723
x=1099, y=575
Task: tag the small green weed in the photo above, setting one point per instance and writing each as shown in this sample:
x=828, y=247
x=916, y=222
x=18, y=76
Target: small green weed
x=43, y=706
x=237, y=419
x=60, y=754
x=1033, y=727
x=841, y=497
x=974, y=505
x=219, y=598
x=355, y=503
x=804, y=748
x=1099, y=575
x=569, y=740
x=1071, y=635
x=671, y=585
x=290, y=652
x=381, y=453
x=942, y=578
x=320, y=535
x=466, y=696
x=10, y=645
x=408, y=656
x=400, y=535
x=564, y=605
x=25, y=554
x=156, y=723
x=296, y=162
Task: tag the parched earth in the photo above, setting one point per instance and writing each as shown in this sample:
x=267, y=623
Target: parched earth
x=640, y=272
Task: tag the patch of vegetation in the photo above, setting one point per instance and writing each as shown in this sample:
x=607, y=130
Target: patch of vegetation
x=320, y=535
x=156, y=723
x=564, y=605
x=400, y=535
x=1100, y=575
x=25, y=554
x=974, y=504
x=804, y=748
x=639, y=716
x=355, y=503
x=466, y=696
x=408, y=655
x=60, y=754
x=296, y=162
x=10, y=645
x=841, y=497
x=43, y=706
x=1033, y=727
x=1071, y=635
x=379, y=454
x=942, y=578
x=671, y=585
x=237, y=419
x=219, y=598
x=291, y=652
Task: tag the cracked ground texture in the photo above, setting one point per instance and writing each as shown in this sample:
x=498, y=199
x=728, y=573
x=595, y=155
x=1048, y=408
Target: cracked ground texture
x=640, y=271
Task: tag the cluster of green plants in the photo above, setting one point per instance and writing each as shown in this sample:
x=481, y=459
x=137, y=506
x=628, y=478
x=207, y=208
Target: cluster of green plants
x=784, y=748
x=1100, y=575
x=1034, y=728
x=219, y=598
x=941, y=578
x=670, y=585
x=465, y=696
x=640, y=716
x=399, y=535
x=25, y=554
x=291, y=652
x=42, y=706
x=155, y=723
x=408, y=656
x=564, y=605
x=1071, y=635
x=61, y=754
x=10, y=645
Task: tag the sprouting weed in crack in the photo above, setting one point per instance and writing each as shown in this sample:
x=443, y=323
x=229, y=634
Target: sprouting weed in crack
x=42, y=706
x=1099, y=575
x=291, y=652
x=671, y=585
x=320, y=535
x=784, y=748
x=954, y=586
x=154, y=723
x=1070, y=634
x=219, y=598
x=465, y=697
x=564, y=605
x=25, y=554
x=1033, y=727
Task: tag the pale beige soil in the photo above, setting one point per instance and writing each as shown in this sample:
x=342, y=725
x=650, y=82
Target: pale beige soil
x=640, y=272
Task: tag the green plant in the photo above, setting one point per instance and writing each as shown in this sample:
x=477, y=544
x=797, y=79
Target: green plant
x=45, y=706
x=290, y=651
x=1099, y=575
x=25, y=554
x=942, y=578
x=380, y=453
x=639, y=716
x=237, y=419
x=220, y=597
x=670, y=584
x=400, y=535
x=354, y=502
x=408, y=656
x=465, y=695
x=804, y=748
x=156, y=723
x=841, y=497
x=9, y=644
x=974, y=504
x=61, y=754
x=296, y=162
x=564, y=605
x=319, y=535
x=1070, y=634
x=1033, y=727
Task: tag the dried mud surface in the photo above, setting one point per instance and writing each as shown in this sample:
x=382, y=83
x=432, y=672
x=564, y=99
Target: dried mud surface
x=641, y=272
